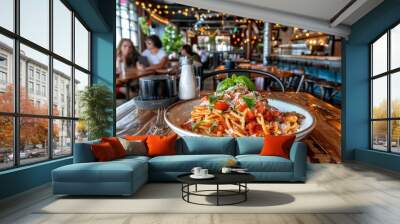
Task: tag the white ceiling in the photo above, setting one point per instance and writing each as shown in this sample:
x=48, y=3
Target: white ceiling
x=321, y=9
x=314, y=15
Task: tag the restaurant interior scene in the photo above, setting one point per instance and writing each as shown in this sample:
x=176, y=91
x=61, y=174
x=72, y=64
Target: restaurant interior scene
x=199, y=111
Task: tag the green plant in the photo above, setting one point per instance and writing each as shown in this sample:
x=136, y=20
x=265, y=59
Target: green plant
x=172, y=40
x=96, y=102
x=144, y=26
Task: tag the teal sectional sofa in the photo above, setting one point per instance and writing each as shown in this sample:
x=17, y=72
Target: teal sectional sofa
x=125, y=176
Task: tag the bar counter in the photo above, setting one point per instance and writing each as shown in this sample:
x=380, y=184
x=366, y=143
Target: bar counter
x=331, y=61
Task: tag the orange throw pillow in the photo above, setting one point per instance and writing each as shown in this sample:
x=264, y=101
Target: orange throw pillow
x=277, y=145
x=103, y=152
x=161, y=145
x=136, y=137
x=116, y=145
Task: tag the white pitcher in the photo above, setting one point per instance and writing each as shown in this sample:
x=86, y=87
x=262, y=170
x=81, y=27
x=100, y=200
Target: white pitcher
x=187, y=82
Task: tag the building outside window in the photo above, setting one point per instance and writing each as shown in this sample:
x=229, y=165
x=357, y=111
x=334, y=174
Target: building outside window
x=30, y=72
x=385, y=94
x=30, y=87
x=56, y=126
x=3, y=72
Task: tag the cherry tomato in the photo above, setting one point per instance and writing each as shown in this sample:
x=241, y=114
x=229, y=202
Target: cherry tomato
x=241, y=107
x=221, y=105
x=267, y=116
x=260, y=107
x=250, y=116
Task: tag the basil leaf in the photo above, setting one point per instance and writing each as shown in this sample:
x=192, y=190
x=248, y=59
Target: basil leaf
x=195, y=125
x=212, y=99
x=251, y=102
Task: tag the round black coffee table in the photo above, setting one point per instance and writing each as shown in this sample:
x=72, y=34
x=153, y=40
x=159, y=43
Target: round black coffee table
x=238, y=179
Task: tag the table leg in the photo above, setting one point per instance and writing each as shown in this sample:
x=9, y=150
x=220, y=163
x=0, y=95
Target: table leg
x=217, y=194
x=245, y=193
x=127, y=91
x=188, y=190
x=195, y=188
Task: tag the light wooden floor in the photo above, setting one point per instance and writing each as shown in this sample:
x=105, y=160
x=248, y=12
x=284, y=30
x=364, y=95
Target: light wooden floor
x=378, y=189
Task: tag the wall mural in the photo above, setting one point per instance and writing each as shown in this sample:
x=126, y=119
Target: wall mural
x=179, y=55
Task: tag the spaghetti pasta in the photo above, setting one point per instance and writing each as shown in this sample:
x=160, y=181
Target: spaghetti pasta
x=238, y=111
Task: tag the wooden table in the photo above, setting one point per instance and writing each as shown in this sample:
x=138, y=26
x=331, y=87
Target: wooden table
x=324, y=142
x=134, y=74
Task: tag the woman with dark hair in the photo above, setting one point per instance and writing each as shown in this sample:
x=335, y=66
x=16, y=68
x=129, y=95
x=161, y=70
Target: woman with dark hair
x=154, y=53
x=127, y=58
x=187, y=51
x=127, y=55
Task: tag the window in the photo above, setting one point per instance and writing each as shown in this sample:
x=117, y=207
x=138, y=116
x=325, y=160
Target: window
x=30, y=87
x=34, y=21
x=7, y=14
x=62, y=29
x=44, y=91
x=38, y=89
x=38, y=74
x=385, y=94
x=30, y=72
x=62, y=74
x=34, y=128
x=81, y=45
x=6, y=73
x=127, y=22
x=3, y=78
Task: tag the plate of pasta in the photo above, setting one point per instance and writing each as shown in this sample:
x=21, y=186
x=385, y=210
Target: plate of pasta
x=238, y=110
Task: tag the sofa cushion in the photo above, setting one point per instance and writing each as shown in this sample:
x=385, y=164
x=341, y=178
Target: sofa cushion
x=277, y=145
x=83, y=153
x=257, y=163
x=161, y=145
x=116, y=145
x=208, y=145
x=112, y=171
x=185, y=163
x=103, y=152
x=134, y=147
x=249, y=145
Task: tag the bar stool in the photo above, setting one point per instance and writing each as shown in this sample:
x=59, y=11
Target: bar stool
x=309, y=83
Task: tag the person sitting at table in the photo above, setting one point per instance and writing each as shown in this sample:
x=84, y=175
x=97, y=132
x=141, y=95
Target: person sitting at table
x=187, y=51
x=127, y=58
x=156, y=56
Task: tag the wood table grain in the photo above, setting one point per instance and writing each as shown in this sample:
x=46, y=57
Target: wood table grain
x=324, y=142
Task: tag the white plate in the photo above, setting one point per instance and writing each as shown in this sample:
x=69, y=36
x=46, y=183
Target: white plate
x=180, y=112
x=208, y=176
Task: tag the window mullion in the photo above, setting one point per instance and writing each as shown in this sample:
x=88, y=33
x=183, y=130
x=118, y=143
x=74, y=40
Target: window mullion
x=50, y=81
x=16, y=84
x=389, y=93
x=73, y=82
